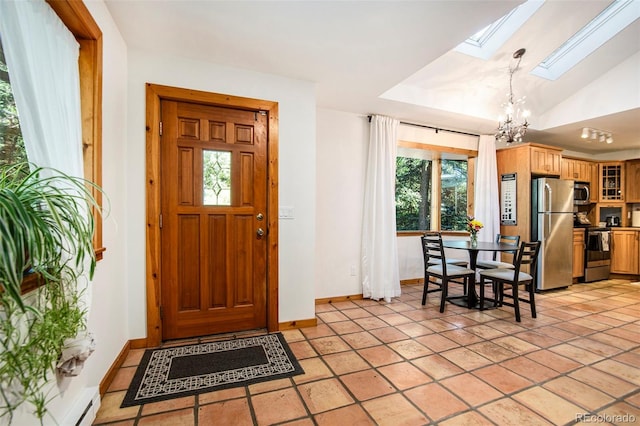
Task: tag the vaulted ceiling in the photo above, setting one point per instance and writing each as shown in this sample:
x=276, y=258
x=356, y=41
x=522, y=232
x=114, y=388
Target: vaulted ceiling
x=399, y=58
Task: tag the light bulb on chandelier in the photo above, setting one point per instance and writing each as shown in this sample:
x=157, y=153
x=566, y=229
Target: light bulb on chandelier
x=512, y=126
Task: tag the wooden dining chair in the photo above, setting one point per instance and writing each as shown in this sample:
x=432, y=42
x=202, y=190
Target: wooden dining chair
x=437, y=268
x=512, y=240
x=514, y=279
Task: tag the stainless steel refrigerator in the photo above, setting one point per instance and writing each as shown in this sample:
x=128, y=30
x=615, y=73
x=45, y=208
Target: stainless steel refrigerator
x=552, y=225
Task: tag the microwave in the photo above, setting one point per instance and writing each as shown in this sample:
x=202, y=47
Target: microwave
x=581, y=194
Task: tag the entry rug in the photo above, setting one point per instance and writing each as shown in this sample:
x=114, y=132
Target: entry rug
x=179, y=371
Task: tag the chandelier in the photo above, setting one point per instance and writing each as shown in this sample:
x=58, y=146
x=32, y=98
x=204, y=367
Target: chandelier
x=513, y=124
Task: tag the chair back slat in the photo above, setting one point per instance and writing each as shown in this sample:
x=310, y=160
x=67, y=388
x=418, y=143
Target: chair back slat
x=512, y=240
x=528, y=255
x=433, y=251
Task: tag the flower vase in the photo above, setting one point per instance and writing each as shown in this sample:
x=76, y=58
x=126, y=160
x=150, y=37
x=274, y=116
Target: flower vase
x=474, y=240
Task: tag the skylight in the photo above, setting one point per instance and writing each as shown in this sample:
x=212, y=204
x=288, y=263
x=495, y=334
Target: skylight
x=485, y=42
x=603, y=27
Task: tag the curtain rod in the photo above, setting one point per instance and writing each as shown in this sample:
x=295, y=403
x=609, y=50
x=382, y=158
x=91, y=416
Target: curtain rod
x=437, y=129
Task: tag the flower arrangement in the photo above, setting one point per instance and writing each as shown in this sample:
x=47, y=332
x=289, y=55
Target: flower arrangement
x=473, y=226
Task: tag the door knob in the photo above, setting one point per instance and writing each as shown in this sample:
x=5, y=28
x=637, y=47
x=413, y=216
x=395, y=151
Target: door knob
x=260, y=232
x=260, y=216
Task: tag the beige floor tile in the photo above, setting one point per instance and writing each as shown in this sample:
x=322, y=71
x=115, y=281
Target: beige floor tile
x=346, y=362
x=233, y=412
x=502, y=379
x=267, y=386
x=332, y=316
x=485, y=331
x=184, y=417
x=110, y=410
x=352, y=415
x=169, y=405
x=470, y=418
x=620, y=413
x=302, y=350
x=529, y=369
x=367, y=384
x=379, y=355
x=224, y=394
x=579, y=393
x=269, y=407
x=122, y=379
x=509, y=412
x=603, y=381
x=410, y=349
x=345, y=327
x=394, y=410
x=329, y=345
x=436, y=342
x=552, y=407
x=461, y=337
x=437, y=366
x=470, y=389
x=466, y=359
x=389, y=334
x=321, y=330
x=516, y=345
x=324, y=395
x=413, y=329
x=435, y=401
x=491, y=351
x=404, y=375
x=618, y=369
x=554, y=361
x=314, y=369
x=577, y=354
x=133, y=357
x=361, y=340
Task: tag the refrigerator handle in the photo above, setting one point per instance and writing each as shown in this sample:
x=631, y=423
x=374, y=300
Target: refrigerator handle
x=548, y=194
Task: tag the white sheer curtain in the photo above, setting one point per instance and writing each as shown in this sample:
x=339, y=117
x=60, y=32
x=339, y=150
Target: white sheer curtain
x=42, y=57
x=380, y=271
x=486, y=200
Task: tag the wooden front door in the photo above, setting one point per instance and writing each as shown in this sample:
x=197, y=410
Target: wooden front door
x=214, y=219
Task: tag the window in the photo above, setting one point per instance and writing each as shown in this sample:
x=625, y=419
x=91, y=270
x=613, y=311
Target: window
x=432, y=189
x=79, y=21
x=12, y=150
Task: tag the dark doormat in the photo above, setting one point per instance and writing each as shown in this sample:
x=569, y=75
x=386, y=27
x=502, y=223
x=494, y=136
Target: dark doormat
x=178, y=371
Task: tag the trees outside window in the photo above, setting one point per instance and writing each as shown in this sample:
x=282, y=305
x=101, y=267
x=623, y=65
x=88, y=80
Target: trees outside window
x=12, y=150
x=415, y=194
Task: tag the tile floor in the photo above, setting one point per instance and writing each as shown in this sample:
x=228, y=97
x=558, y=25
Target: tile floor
x=370, y=362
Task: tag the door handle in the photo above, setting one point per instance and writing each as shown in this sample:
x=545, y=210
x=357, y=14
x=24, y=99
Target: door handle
x=260, y=232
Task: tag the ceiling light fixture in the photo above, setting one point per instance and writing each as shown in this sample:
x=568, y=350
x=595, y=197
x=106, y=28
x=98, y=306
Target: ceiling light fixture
x=513, y=125
x=596, y=134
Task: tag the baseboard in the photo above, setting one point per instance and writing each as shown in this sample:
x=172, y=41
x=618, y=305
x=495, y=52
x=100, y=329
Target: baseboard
x=291, y=325
x=412, y=281
x=113, y=370
x=338, y=299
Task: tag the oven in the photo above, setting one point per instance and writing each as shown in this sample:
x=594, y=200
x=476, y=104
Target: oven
x=597, y=254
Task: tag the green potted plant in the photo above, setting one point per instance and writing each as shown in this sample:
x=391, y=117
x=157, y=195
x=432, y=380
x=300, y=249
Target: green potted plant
x=46, y=236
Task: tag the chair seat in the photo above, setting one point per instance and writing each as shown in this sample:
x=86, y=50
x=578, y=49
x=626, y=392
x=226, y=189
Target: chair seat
x=505, y=275
x=452, y=270
x=494, y=264
x=459, y=262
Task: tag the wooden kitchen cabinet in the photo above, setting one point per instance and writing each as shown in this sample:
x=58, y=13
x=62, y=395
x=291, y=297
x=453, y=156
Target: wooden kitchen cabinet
x=578, y=252
x=577, y=170
x=594, y=186
x=612, y=182
x=632, y=176
x=625, y=252
x=545, y=161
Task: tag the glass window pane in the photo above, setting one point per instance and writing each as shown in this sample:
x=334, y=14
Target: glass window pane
x=413, y=194
x=216, y=178
x=453, y=207
x=12, y=149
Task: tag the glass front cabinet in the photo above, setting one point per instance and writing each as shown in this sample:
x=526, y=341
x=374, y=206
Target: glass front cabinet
x=611, y=182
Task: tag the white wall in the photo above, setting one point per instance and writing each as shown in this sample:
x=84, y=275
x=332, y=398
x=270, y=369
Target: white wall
x=341, y=148
x=297, y=177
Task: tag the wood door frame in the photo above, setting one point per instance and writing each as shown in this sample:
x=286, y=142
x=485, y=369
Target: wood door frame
x=154, y=94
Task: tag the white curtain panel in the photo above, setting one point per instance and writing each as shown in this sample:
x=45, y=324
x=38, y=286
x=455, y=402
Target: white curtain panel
x=486, y=202
x=42, y=57
x=380, y=271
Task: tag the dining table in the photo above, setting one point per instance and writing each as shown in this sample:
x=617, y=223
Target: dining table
x=470, y=299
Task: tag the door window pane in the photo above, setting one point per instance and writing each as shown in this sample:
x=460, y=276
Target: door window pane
x=216, y=178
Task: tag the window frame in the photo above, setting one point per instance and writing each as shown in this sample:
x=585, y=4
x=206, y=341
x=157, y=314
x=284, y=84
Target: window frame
x=436, y=196
x=77, y=18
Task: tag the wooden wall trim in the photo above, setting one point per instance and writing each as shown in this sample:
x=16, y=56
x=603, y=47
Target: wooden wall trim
x=113, y=370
